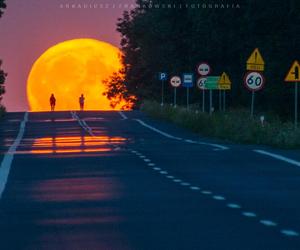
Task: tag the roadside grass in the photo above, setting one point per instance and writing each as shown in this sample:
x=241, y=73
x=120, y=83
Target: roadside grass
x=234, y=125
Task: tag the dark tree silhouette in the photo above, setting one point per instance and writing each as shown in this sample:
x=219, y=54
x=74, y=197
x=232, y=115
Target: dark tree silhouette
x=2, y=73
x=174, y=40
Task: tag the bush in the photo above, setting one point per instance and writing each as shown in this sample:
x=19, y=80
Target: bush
x=234, y=125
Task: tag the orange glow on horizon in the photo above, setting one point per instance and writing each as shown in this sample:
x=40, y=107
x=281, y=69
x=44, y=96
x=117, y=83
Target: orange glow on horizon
x=72, y=68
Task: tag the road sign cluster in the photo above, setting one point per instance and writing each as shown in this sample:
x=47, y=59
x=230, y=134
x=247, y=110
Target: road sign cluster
x=254, y=80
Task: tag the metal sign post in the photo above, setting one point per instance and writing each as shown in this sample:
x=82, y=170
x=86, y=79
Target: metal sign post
x=175, y=82
x=203, y=100
x=296, y=105
x=175, y=96
x=224, y=100
x=162, y=77
x=188, y=82
x=252, y=103
x=210, y=101
x=220, y=100
x=201, y=85
x=187, y=98
x=294, y=76
x=254, y=81
x=162, y=92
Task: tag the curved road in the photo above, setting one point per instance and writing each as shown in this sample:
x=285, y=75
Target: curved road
x=113, y=180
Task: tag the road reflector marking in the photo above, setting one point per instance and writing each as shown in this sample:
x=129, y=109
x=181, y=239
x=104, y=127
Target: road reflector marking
x=291, y=233
x=268, y=223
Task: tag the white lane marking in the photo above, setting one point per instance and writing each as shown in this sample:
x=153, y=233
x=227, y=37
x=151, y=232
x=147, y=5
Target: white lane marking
x=219, y=198
x=268, y=223
x=157, y=169
x=233, y=205
x=249, y=214
x=133, y=151
x=170, y=177
x=147, y=160
x=9, y=156
x=278, y=157
x=221, y=147
x=142, y=156
x=185, y=184
x=206, y=192
x=157, y=130
x=195, y=188
x=151, y=164
x=288, y=232
x=163, y=172
x=177, y=180
x=123, y=115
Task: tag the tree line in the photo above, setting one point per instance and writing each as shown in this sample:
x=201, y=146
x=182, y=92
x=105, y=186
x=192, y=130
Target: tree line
x=2, y=73
x=175, y=40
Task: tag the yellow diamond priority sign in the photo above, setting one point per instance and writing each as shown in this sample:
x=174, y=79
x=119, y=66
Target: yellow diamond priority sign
x=255, y=61
x=294, y=73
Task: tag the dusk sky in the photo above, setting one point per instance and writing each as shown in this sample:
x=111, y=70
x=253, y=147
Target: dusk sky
x=28, y=28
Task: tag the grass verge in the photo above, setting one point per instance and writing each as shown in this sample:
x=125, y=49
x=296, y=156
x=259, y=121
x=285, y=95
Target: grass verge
x=235, y=125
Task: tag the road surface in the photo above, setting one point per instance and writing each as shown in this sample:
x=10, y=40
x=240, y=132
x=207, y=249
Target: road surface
x=119, y=180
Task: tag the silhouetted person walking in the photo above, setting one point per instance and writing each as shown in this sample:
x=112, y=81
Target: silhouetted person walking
x=81, y=102
x=52, y=102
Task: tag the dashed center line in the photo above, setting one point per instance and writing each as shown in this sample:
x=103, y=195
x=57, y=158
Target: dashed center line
x=249, y=214
x=268, y=223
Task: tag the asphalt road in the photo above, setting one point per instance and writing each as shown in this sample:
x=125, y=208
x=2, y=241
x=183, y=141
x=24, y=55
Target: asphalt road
x=110, y=180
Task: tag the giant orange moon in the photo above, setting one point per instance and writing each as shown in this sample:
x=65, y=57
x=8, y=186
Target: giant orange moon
x=72, y=68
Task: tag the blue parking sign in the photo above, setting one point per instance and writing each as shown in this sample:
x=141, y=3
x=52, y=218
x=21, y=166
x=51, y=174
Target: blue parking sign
x=163, y=76
x=188, y=80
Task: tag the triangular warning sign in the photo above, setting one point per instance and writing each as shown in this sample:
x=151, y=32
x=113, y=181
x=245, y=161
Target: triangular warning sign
x=224, y=79
x=255, y=61
x=294, y=73
x=256, y=58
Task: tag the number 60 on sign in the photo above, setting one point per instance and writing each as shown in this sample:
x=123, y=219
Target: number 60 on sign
x=254, y=81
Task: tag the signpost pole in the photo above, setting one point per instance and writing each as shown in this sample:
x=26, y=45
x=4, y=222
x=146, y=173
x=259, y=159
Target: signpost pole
x=296, y=105
x=203, y=100
x=187, y=98
x=175, y=93
x=220, y=100
x=224, y=100
x=210, y=101
x=162, y=92
x=252, y=103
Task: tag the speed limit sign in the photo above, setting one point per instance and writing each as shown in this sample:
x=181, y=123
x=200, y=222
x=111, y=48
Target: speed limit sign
x=254, y=81
x=201, y=83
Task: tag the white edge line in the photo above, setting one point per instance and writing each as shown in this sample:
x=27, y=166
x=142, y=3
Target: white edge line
x=9, y=156
x=178, y=138
x=123, y=115
x=278, y=157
